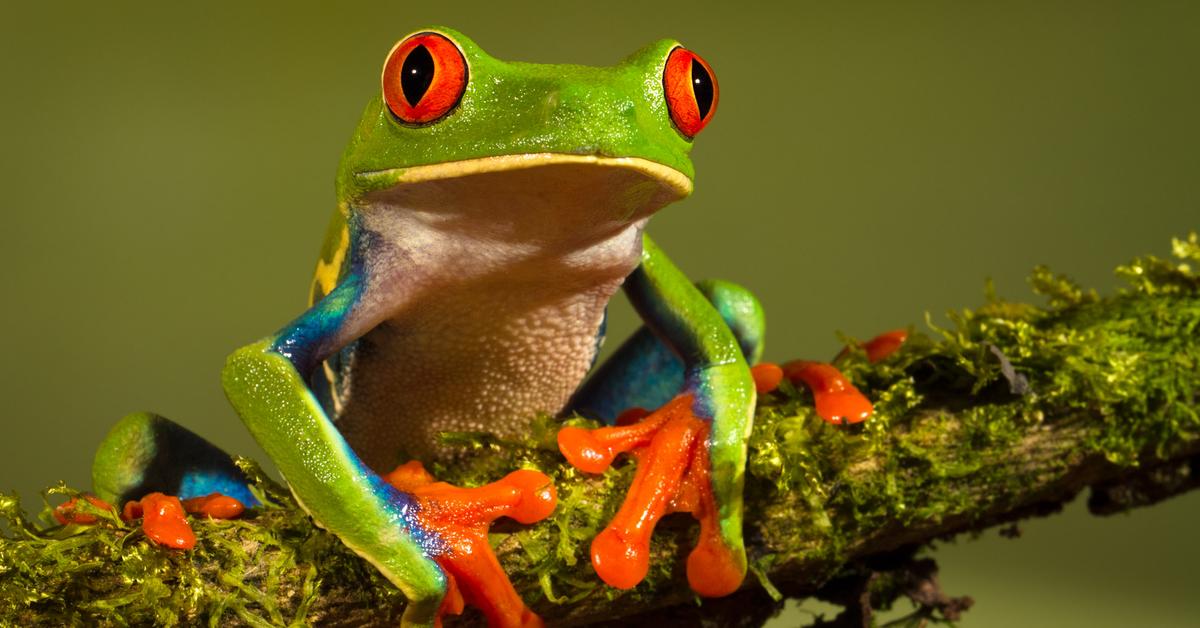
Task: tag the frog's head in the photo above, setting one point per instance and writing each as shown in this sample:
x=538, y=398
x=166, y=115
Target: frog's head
x=454, y=129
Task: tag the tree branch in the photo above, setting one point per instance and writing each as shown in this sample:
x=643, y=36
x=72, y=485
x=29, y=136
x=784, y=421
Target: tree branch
x=1008, y=413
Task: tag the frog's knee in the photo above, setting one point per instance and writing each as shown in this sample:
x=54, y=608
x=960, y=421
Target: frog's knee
x=256, y=371
x=741, y=311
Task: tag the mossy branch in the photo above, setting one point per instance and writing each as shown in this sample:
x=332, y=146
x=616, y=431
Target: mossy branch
x=1007, y=413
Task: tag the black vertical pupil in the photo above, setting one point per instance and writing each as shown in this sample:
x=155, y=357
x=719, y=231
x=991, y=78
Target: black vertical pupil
x=702, y=87
x=416, y=74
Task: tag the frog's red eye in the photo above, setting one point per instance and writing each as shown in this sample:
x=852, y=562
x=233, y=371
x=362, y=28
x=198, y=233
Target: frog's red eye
x=691, y=89
x=424, y=78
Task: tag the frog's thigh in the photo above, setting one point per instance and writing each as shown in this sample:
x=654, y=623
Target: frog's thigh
x=146, y=453
x=644, y=373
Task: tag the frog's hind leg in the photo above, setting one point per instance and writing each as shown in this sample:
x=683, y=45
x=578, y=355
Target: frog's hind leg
x=146, y=453
x=645, y=373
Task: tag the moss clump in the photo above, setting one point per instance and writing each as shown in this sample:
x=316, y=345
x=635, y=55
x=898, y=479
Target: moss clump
x=1124, y=370
x=971, y=420
x=259, y=571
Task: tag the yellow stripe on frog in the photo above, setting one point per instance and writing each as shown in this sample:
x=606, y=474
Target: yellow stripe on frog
x=333, y=256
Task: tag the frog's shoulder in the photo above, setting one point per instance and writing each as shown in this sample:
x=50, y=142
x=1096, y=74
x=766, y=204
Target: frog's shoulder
x=334, y=259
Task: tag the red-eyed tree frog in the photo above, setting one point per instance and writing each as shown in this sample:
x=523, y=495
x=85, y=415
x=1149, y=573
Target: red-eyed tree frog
x=486, y=213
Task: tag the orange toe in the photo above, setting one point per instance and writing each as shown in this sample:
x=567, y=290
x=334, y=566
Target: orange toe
x=163, y=520
x=536, y=492
x=767, y=376
x=619, y=563
x=593, y=451
x=215, y=505
x=584, y=451
x=885, y=344
x=713, y=571
x=844, y=407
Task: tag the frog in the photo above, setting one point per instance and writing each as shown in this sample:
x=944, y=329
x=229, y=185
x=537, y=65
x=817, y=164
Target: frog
x=486, y=213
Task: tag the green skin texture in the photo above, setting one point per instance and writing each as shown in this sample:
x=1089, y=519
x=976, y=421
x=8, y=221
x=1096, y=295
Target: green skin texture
x=615, y=111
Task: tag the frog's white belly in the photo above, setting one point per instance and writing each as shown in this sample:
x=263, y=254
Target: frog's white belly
x=485, y=360
x=482, y=351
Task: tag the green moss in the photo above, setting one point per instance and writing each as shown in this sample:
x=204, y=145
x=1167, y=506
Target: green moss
x=946, y=414
x=1123, y=370
x=261, y=570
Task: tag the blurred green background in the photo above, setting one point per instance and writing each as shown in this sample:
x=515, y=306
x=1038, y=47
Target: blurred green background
x=167, y=172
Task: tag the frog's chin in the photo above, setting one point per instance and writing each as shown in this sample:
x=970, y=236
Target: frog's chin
x=555, y=187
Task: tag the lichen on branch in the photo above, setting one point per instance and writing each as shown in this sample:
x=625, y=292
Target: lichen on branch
x=1008, y=410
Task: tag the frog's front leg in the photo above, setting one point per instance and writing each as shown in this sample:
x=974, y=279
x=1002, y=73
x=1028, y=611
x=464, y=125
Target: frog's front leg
x=645, y=373
x=412, y=536
x=691, y=451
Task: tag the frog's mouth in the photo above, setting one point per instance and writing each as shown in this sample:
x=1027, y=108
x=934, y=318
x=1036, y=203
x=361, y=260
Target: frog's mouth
x=548, y=186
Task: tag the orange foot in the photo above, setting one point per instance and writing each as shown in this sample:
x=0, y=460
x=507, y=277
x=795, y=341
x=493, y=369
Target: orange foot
x=162, y=515
x=462, y=517
x=671, y=446
x=836, y=399
x=163, y=520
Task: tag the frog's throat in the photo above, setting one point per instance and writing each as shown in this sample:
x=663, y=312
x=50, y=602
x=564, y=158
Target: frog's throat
x=677, y=183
